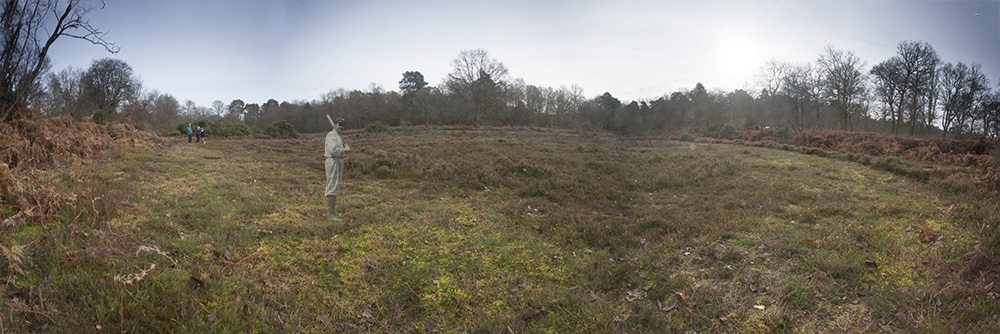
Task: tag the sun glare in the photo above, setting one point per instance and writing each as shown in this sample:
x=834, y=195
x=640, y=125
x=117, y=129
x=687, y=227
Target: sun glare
x=737, y=53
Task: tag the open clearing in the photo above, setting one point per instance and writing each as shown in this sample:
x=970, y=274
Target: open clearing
x=490, y=231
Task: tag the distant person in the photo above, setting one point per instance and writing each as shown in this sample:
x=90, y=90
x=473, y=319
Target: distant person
x=199, y=135
x=189, y=132
x=334, y=151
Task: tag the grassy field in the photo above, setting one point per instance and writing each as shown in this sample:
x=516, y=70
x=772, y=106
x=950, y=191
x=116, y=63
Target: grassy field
x=483, y=231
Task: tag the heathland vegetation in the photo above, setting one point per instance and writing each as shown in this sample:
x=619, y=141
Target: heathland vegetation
x=490, y=205
x=484, y=229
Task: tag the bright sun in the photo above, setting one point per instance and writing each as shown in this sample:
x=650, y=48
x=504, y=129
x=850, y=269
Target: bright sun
x=737, y=53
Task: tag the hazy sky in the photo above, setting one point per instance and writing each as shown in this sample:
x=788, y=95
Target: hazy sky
x=296, y=50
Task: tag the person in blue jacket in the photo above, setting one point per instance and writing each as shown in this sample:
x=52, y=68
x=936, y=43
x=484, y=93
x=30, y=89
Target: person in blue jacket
x=189, y=132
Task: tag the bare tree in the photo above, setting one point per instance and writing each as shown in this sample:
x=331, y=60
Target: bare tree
x=918, y=74
x=30, y=27
x=800, y=85
x=771, y=76
x=479, y=80
x=63, y=94
x=887, y=80
x=843, y=84
x=962, y=87
x=218, y=108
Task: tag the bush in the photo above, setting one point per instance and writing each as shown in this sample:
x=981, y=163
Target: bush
x=281, y=129
x=719, y=130
x=182, y=128
x=686, y=136
x=376, y=127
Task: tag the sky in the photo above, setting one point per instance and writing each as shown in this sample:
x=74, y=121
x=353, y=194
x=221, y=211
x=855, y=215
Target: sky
x=297, y=50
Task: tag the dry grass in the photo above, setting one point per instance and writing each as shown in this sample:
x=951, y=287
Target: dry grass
x=977, y=157
x=481, y=230
x=33, y=144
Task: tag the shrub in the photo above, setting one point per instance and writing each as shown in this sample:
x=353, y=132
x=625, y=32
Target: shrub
x=719, y=130
x=281, y=129
x=686, y=136
x=226, y=128
x=377, y=126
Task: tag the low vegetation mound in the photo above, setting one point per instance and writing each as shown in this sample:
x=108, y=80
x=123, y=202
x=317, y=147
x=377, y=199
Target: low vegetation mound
x=30, y=144
x=980, y=157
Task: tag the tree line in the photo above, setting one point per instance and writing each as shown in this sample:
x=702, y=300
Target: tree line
x=913, y=92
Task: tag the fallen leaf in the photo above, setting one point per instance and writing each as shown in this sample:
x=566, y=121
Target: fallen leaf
x=533, y=313
x=398, y=308
x=370, y=263
x=519, y=324
x=644, y=244
x=759, y=307
x=228, y=255
x=671, y=305
x=989, y=287
x=520, y=321
x=410, y=316
x=436, y=282
x=417, y=288
x=683, y=297
x=323, y=319
x=214, y=316
x=197, y=283
x=431, y=325
x=367, y=313
x=863, y=292
x=871, y=264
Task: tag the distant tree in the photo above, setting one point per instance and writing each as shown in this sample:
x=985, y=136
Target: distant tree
x=412, y=82
x=609, y=107
x=478, y=80
x=166, y=108
x=843, y=85
x=918, y=74
x=801, y=87
x=30, y=27
x=887, y=77
x=235, y=111
x=962, y=87
x=63, y=94
x=989, y=111
x=738, y=108
x=704, y=108
x=219, y=108
x=252, y=114
x=270, y=112
x=106, y=85
x=771, y=76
